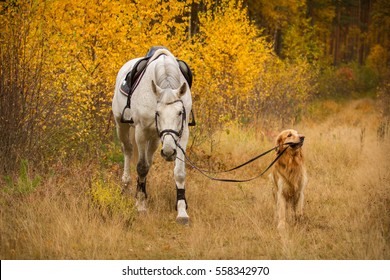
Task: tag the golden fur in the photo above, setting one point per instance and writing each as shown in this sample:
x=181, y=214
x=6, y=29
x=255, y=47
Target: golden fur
x=289, y=175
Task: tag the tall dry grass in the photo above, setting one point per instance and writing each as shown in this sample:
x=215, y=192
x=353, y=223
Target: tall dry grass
x=346, y=210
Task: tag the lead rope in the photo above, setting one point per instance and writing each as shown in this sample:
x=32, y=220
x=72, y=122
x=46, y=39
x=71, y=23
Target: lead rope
x=204, y=172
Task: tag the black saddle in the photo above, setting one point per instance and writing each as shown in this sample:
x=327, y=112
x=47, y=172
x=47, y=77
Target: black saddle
x=129, y=83
x=132, y=79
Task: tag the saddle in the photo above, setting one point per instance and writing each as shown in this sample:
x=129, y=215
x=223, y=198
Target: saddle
x=132, y=79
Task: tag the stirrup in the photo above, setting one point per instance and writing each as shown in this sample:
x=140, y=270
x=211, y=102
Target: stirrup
x=192, y=122
x=123, y=120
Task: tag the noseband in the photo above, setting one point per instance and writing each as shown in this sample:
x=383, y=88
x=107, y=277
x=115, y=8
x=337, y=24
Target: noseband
x=171, y=131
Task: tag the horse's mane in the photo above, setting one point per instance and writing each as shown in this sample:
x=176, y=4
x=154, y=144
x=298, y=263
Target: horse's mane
x=167, y=73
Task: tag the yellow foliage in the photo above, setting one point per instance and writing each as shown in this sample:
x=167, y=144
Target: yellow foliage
x=89, y=42
x=85, y=42
x=107, y=197
x=229, y=54
x=377, y=60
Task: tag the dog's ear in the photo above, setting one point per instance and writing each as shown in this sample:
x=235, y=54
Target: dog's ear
x=279, y=144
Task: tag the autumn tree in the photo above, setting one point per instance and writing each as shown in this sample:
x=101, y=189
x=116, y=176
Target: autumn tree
x=228, y=55
x=23, y=106
x=90, y=41
x=59, y=60
x=252, y=61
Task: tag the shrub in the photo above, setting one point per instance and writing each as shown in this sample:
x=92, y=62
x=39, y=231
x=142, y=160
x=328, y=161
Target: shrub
x=25, y=182
x=107, y=197
x=282, y=91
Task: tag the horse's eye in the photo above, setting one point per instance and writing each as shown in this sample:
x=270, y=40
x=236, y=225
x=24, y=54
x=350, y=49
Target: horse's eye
x=289, y=135
x=180, y=113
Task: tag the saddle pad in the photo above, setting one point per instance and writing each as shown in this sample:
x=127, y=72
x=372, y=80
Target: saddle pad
x=133, y=75
x=124, y=88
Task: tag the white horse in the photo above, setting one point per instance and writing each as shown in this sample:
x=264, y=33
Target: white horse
x=159, y=107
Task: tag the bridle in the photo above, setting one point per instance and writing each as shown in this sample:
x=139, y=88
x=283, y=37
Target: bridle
x=172, y=132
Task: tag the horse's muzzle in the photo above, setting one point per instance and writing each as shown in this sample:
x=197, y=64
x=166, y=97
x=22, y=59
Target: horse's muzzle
x=169, y=155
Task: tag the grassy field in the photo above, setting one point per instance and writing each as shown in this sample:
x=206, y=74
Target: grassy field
x=77, y=212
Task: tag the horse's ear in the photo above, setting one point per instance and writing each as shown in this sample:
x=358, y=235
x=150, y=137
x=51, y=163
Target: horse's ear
x=156, y=89
x=182, y=90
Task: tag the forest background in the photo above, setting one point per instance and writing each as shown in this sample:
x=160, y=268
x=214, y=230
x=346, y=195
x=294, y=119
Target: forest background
x=254, y=62
x=259, y=66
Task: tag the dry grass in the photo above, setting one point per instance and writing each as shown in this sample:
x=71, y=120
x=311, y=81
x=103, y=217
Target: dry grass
x=346, y=211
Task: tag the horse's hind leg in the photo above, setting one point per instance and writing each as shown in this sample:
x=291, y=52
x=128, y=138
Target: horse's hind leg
x=123, y=131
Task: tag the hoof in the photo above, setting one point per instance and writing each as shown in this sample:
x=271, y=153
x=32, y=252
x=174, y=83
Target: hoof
x=282, y=229
x=126, y=191
x=282, y=226
x=140, y=203
x=182, y=216
x=126, y=180
x=183, y=220
x=141, y=208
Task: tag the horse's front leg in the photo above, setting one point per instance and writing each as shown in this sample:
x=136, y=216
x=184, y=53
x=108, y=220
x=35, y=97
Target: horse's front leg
x=146, y=149
x=181, y=202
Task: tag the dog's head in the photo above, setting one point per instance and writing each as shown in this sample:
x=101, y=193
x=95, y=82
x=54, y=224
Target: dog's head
x=289, y=138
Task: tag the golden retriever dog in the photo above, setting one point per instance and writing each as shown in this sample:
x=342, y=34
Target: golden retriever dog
x=289, y=176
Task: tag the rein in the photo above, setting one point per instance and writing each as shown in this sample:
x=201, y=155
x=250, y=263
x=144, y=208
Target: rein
x=179, y=133
x=204, y=172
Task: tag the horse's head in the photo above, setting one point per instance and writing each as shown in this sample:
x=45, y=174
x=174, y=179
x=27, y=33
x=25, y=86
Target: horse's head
x=170, y=118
